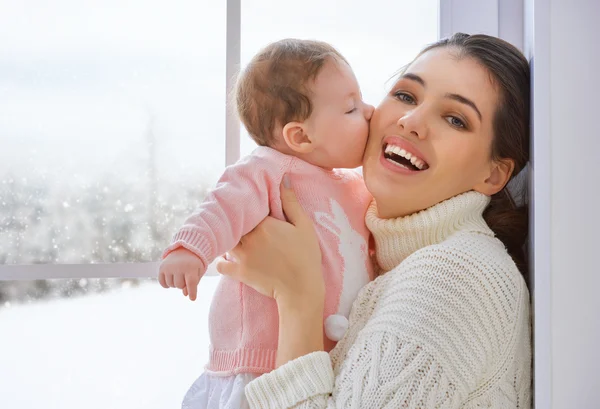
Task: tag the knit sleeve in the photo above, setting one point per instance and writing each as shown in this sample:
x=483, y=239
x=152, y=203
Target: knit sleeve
x=383, y=372
x=437, y=329
x=240, y=200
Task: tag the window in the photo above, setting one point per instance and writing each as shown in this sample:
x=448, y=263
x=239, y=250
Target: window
x=112, y=123
x=110, y=126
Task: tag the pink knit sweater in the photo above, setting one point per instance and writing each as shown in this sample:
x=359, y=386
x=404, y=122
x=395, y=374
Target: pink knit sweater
x=243, y=324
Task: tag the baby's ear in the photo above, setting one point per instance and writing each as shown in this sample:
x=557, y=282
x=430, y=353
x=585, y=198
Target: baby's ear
x=296, y=138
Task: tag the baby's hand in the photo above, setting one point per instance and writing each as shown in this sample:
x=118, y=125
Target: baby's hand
x=181, y=269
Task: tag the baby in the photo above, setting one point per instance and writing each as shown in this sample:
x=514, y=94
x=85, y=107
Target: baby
x=300, y=101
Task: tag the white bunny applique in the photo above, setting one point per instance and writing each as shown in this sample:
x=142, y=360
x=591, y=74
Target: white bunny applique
x=353, y=249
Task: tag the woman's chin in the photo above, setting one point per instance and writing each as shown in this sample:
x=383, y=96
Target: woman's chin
x=384, y=195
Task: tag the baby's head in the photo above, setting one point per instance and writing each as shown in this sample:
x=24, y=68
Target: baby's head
x=302, y=98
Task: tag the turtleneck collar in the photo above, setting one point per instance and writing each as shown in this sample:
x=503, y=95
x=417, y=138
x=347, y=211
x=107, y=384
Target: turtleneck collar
x=396, y=239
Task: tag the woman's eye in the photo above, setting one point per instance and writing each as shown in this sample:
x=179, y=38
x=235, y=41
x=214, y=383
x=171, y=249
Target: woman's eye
x=456, y=122
x=404, y=97
x=352, y=110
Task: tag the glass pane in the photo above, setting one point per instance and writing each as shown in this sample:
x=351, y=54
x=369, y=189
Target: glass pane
x=377, y=38
x=126, y=345
x=112, y=123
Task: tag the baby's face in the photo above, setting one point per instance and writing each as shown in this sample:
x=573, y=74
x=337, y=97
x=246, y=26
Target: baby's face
x=339, y=122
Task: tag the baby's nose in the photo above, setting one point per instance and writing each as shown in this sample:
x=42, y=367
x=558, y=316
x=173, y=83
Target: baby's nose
x=369, y=109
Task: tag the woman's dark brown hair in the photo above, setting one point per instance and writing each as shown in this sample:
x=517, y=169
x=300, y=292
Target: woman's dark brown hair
x=510, y=73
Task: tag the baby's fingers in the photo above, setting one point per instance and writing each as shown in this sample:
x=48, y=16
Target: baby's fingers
x=179, y=280
x=191, y=285
x=169, y=279
x=162, y=280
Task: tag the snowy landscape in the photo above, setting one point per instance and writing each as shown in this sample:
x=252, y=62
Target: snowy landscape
x=131, y=348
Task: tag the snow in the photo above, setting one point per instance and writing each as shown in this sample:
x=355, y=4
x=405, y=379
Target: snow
x=131, y=348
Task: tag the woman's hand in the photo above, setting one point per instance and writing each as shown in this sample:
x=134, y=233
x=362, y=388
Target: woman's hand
x=280, y=259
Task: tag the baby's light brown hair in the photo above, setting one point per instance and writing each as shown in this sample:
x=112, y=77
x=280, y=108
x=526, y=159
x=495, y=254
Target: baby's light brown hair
x=272, y=90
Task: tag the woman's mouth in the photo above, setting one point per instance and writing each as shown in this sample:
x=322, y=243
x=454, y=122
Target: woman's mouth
x=400, y=157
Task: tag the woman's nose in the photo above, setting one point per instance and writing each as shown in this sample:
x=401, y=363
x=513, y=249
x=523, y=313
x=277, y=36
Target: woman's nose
x=413, y=124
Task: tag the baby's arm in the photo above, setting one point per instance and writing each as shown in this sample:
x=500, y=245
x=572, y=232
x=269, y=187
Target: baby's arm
x=238, y=203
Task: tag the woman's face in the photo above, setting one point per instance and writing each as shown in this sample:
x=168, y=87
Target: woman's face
x=430, y=138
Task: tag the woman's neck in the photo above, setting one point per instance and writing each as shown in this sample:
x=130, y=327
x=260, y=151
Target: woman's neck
x=397, y=238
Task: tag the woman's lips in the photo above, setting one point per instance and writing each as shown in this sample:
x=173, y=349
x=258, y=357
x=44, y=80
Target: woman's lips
x=404, y=144
x=395, y=167
x=413, y=160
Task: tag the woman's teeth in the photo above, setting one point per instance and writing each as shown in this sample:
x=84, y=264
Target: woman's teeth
x=397, y=164
x=398, y=151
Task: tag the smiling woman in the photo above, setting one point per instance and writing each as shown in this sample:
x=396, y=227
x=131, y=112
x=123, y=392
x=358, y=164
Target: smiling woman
x=452, y=132
x=446, y=133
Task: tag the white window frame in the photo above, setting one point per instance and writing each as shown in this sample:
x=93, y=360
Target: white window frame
x=512, y=20
x=537, y=49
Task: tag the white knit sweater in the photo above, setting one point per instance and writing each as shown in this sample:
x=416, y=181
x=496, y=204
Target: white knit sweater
x=447, y=326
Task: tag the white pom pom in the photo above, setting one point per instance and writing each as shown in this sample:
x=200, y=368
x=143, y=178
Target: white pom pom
x=335, y=327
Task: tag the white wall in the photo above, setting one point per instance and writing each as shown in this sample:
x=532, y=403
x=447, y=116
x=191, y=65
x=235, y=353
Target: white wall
x=562, y=36
x=575, y=234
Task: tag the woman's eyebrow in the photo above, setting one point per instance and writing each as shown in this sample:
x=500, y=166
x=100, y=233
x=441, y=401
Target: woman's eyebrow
x=456, y=97
x=465, y=101
x=414, y=77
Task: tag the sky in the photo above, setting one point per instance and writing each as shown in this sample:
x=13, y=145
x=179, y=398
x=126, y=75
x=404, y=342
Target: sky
x=82, y=82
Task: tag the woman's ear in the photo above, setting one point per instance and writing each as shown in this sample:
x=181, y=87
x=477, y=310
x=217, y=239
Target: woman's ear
x=499, y=176
x=296, y=138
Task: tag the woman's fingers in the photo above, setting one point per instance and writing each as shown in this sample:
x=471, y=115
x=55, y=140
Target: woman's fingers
x=228, y=267
x=292, y=209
